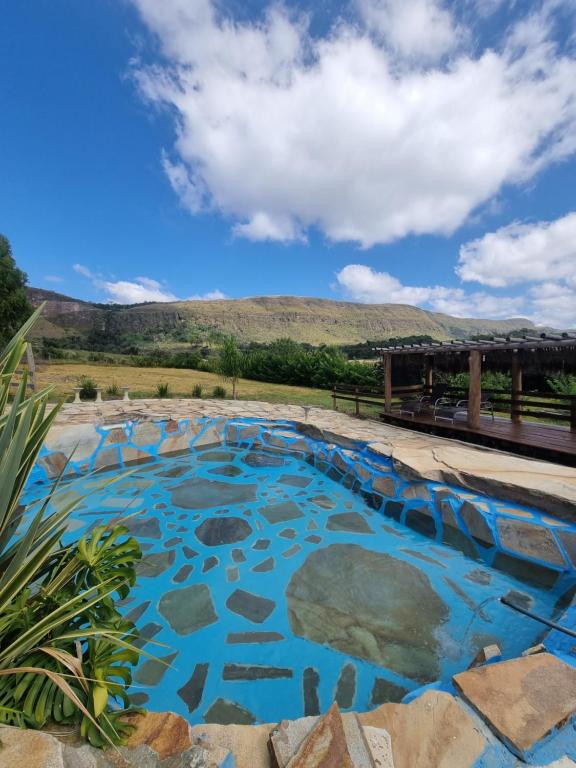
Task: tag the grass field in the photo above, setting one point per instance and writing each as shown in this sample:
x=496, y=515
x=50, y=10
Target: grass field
x=143, y=381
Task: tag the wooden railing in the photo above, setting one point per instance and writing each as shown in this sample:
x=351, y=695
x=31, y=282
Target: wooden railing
x=546, y=406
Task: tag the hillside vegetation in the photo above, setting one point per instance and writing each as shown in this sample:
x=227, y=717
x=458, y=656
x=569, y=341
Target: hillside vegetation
x=261, y=319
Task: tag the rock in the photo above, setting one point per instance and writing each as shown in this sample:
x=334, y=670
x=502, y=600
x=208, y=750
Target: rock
x=379, y=746
x=258, y=459
x=107, y=458
x=539, y=648
x=325, y=746
x=209, y=563
x=310, y=682
x=336, y=598
x=143, y=527
x=313, y=539
x=476, y=524
x=232, y=573
x=254, y=672
x=253, y=607
x=29, y=749
x=216, y=531
x=135, y=613
x=192, y=691
x=226, y=712
x=199, y=493
x=154, y=564
x=175, y=445
x=384, y=486
x=182, y=574
x=346, y=686
x=228, y=470
x=385, y=692
x=238, y=556
x=188, y=552
x=134, y=456
x=522, y=700
x=394, y=509
x=286, y=738
x=147, y=632
x=280, y=513
x=54, y=464
x=568, y=539
x=147, y=433
x=529, y=572
x=264, y=566
x=291, y=551
x=166, y=733
x=421, y=519
x=83, y=439
x=324, y=502
x=151, y=671
x=478, y=576
x=211, y=437
x=220, y=456
x=488, y=653
x=172, y=542
x=526, y=539
x=254, y=637
x=296, y=481
x=348, y=521
x=189, y=609
x=433, y=731
x=288, y=533
x=248, y=743
x=261, y=544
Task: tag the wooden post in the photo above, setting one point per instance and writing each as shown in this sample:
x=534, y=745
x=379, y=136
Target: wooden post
x=516, y=387
x=357, y=403
x=334, y=406
x=474, y=389
x=429, y=374
x=387, y=382
x=31, y=367
x=573, y=415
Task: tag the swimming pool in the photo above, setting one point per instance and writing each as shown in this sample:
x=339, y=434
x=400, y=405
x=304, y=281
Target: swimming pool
x=278, y=582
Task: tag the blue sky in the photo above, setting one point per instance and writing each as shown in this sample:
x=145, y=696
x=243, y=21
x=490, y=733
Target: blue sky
x=408, y=151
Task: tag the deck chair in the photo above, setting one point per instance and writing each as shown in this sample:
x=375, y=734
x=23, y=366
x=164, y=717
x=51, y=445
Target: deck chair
x=445, y=410
x=424, y=403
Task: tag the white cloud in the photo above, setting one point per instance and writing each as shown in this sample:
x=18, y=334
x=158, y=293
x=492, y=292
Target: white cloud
x=138, y=290
x=416, y=29
x=281, y=131
x=521, y=253
x=362, y=283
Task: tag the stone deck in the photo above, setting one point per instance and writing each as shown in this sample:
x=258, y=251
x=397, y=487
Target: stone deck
x=543, y=485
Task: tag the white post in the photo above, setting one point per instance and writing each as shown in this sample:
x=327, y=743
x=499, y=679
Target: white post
x=98, y=394
x=125, y=396
x=77, y=394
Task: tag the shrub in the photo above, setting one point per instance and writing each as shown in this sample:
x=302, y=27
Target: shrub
x=162, y=389
x=113, y=390
x=219, y=392
x=563, y=384
x=65, y=650
x=87, y=388
x=197, y=390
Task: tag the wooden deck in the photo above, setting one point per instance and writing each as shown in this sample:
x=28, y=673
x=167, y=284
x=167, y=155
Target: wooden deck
x=533, y=439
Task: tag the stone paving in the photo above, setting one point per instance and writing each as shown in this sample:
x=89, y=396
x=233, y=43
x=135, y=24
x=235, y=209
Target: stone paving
x=546, y=486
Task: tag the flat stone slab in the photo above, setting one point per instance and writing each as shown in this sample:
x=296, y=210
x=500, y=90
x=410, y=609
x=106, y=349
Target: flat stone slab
x=227, y=712
x=191, y=692
x=223, y=530
x=188, y=609
x=522, y=700
x=530, y=540
x=431, y=731
x=254, y=637
x=199, y=493
x=336, y=598
x=253, y=607
x=296, y=481
x=325, y=746
x=280, y=513
x=254, y=672
x=348, y=521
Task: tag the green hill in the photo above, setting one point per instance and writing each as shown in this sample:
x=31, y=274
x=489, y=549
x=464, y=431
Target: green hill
x=262, y=319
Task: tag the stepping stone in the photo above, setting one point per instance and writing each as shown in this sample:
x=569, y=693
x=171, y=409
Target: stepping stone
x=191, y=692
x=297, y=481
x=223, y=530
x=254, y=637
x=199, y=493
x=189, y=609
x=264, y=566
x=254, y=672
x=134, y=614
x=313, y=539
x=226, y=712
x=324, y=502
x=238, y=556
x=253, y=607
x=261, y=544
x=310, y=682
x=209, y=563
x=172, y=542
x=294, y=549
x=433, y=730
x=151, y=671
x=183, y=574
x=232, y=574
x=288, y=533
x=280, y=513
x=188, y=552
x=384, y=692
x=346, y=686
x=522, y=700
x=154, y=564
x=227, y=471
x=348, y=521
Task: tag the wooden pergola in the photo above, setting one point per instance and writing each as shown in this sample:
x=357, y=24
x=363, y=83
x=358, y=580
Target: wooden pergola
x=547, y=351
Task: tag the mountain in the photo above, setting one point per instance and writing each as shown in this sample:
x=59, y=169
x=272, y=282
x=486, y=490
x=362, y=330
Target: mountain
x=262, y=319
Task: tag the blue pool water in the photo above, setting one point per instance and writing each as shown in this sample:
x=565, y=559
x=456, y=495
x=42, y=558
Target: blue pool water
x=276, y=589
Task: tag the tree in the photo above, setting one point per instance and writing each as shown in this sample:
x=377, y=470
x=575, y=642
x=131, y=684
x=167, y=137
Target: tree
x=14, y=305
x=230, y=362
